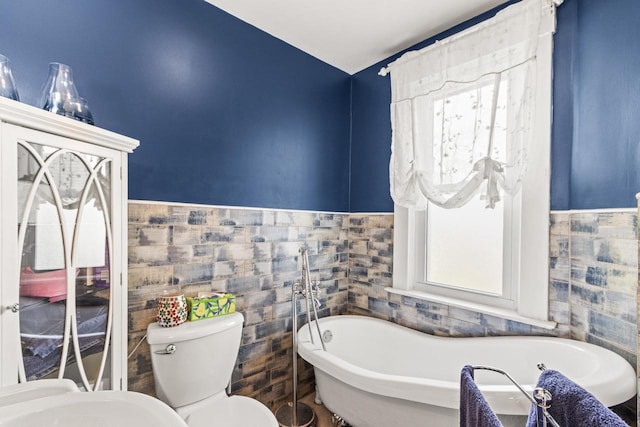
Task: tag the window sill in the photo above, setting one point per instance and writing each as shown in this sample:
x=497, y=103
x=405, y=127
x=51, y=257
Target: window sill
x=481, y=308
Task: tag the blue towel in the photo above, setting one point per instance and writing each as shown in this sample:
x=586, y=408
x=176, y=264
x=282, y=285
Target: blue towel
x=474, y=409
x=573, y=406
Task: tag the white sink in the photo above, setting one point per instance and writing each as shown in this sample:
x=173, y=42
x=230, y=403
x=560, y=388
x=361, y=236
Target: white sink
x=69, y=408
x=34, y=390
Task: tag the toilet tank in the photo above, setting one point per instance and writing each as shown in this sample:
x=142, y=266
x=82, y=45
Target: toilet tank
x=203, y=360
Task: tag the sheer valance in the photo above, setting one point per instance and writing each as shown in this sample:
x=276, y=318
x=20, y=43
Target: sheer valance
x=462, y=110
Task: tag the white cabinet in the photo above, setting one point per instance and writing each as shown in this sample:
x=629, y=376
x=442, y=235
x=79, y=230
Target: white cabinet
x=63, y=249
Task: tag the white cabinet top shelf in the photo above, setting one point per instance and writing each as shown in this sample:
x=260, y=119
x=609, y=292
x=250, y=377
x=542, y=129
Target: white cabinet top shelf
x=26, y=115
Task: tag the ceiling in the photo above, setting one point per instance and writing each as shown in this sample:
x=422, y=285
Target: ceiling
x=353, y=34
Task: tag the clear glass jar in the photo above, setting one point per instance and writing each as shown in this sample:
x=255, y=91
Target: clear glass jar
x=8, y=87
x=59, y=94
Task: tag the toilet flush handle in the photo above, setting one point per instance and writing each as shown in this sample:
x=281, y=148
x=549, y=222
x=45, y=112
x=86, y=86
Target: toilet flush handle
x=171, y=348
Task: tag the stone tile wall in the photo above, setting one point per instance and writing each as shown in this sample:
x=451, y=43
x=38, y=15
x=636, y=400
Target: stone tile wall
x=252, y=253
x=602, y=277
x=593, y=281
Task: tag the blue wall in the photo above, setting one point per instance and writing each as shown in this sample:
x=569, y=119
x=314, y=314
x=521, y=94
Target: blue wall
x=229, y=115
x=605, y=157
x=596, y=128
x=226, y=114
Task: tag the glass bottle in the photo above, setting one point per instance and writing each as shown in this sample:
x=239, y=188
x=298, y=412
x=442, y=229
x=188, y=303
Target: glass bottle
x=58, y=88
x=60, y=96
x=8, y=87
x=78, y=109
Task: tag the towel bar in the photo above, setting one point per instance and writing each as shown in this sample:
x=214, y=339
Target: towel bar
x=540, y=398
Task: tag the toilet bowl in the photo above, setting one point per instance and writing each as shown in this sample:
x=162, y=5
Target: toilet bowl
x=192, y=365
x=235, y=411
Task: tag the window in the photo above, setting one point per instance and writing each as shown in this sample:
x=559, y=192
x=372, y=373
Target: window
x=468, y=248
x=482, y=240
x=470, y=133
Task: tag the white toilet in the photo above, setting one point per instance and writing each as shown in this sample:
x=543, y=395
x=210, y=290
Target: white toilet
x=192, y=365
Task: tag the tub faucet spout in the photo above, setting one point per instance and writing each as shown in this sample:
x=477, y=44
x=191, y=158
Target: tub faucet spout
x=311, y=292
x=315, y=292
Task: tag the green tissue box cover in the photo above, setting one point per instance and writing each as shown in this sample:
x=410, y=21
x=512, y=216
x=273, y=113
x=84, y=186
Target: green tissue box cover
x=205, y=308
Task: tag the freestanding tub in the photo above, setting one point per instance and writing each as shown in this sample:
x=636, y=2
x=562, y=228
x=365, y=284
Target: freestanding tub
x=379, y=374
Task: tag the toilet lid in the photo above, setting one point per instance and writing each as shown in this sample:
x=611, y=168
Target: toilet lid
x=234, y=411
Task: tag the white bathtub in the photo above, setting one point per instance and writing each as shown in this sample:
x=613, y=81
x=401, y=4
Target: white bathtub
x=378, y=374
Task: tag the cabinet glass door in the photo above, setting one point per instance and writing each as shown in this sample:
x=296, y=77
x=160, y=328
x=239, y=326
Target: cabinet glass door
x=65, y=241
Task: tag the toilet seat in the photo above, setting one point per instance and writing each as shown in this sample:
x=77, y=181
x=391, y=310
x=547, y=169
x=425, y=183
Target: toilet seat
x=234, y=411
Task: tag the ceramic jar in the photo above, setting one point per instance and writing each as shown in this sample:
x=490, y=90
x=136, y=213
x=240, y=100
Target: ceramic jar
x=172, y=310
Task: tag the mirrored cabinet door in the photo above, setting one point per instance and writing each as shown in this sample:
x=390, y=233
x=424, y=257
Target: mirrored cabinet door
x=65, y=248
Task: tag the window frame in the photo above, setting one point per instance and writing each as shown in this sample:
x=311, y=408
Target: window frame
x=531, y=295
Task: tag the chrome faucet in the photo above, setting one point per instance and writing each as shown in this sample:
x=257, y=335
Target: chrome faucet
x=310, y=290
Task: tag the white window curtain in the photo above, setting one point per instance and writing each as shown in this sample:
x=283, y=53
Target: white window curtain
x=462, y=111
